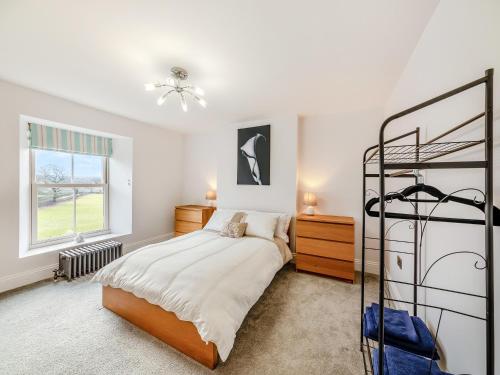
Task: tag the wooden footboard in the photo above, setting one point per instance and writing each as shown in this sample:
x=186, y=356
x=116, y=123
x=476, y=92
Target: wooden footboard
x=165, y=325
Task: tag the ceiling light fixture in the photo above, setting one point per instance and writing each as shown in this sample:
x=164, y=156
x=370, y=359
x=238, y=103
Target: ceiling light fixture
x=176, y=84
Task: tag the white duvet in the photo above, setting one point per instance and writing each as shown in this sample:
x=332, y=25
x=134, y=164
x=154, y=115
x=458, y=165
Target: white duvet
x=209, y=280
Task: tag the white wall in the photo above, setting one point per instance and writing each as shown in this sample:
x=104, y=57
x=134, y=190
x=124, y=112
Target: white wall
x=460, y=42
x=330, y=164
x=120, y=186
x=157, y=173
x=200, y=167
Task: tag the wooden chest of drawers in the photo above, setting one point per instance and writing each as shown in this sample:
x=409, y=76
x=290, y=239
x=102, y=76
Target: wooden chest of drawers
x=191, y=217
x=325, y=245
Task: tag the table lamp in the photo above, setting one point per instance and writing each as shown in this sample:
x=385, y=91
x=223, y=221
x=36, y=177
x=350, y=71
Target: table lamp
x=310, y=202
x=211, y=196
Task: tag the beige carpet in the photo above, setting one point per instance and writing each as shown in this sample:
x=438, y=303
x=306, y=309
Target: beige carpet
x=303, y=324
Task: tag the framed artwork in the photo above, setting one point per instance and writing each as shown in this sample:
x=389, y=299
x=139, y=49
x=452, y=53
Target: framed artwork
x=254, y=155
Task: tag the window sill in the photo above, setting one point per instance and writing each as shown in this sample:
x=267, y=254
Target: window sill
x=68, y=245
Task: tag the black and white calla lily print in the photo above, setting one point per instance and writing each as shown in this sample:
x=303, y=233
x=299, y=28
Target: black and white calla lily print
x=254, y=153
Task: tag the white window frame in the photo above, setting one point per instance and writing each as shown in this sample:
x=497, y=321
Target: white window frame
x=34, y=243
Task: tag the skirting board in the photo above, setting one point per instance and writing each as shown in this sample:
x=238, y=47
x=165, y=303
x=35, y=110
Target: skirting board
x=370, y=266
x=20, y=279
x=31, y=276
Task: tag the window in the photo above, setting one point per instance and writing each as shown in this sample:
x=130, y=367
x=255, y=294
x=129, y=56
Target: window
x=69, y=195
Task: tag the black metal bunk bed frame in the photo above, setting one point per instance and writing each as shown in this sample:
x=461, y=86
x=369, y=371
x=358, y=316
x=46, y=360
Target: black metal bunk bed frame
x=410, y=158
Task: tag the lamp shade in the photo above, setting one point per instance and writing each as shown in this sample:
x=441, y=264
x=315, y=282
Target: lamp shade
x=310, y=199
x=211, y=195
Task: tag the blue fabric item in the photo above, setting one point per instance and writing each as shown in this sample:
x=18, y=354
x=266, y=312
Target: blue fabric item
x=426, y=342
x=424, y=346
x=375, y=363
x=397, y=324
x=399, y=362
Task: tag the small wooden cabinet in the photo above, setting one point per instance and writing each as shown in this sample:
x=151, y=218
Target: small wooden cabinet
x=191, y=217
x=325, y=245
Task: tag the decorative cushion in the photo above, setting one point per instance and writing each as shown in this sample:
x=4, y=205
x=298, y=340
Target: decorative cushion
x=282, y=227
x=238, y=217
x=233, y=230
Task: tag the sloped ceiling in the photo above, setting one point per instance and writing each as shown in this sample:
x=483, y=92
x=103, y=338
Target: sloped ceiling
x=254, y=58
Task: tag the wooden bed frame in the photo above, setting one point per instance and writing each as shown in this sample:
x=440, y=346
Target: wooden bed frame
x=179, y=334
x=165, y=325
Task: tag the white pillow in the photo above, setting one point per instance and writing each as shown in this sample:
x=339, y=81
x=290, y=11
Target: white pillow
x=261, y=225
x=219, y=218
x=282, y=225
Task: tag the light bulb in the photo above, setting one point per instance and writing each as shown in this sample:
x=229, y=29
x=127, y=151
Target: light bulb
x=202, y=102
x=199, y=91
x=149, y=86
x=161, y=99
x=183, y=103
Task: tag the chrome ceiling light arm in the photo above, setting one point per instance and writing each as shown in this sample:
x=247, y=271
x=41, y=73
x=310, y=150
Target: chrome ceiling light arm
x=201, y=101
x=162, y=98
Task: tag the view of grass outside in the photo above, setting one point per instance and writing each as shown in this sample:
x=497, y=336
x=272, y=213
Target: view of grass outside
x=89, y=213
x=59, y=214
x=56, y=219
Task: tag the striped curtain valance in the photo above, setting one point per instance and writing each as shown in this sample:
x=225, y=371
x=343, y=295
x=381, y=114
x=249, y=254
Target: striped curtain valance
x=56, y=139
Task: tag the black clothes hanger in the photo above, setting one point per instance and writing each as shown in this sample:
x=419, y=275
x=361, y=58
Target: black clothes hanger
x=440, y=197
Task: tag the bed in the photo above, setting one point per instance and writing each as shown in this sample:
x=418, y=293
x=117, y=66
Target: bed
x=193, y=291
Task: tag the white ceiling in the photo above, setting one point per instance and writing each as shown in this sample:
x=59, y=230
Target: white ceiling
x=253, y=58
